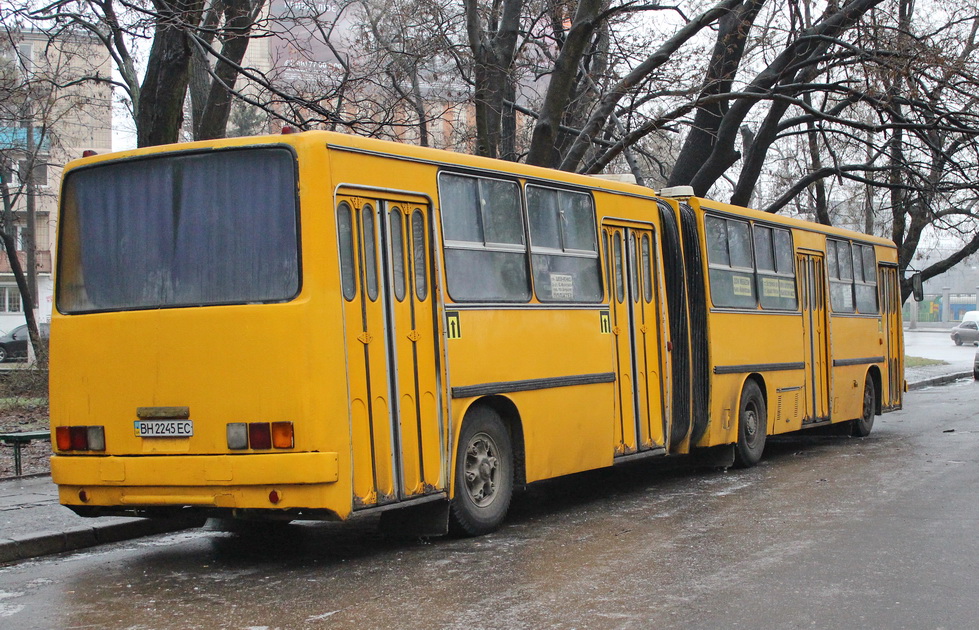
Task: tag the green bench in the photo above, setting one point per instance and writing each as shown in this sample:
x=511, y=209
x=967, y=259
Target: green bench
x=19, y=440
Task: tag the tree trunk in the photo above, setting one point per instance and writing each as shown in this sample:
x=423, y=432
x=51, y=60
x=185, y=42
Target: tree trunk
x=160, y=112
x=493, y=51
x=239, y=20
x=10, y=246
x=543, y=144
x=732, y=35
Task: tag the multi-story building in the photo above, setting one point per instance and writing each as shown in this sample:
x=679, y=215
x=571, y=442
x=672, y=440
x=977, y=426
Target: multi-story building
x=43, y=125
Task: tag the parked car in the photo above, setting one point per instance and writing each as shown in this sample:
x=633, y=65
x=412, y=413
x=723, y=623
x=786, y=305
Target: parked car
x=14, y=343
x=967, y=331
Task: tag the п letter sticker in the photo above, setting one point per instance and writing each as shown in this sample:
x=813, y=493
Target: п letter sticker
x=453, y=329
x=606, y=323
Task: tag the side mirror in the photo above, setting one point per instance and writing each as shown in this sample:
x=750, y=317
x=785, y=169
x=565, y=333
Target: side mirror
x=917, y=287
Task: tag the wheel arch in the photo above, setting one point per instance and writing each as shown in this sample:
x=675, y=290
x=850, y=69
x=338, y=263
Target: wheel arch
x=759, y=380
x=874, y=373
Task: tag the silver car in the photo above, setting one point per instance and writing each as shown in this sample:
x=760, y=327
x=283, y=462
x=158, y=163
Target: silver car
x=966, y=332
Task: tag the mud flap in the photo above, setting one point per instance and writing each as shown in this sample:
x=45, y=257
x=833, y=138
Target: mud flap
x=426, y=519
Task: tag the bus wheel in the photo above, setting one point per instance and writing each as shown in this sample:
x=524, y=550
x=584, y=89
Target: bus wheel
x=484, y=474
x=863, y=425
x=752, y=426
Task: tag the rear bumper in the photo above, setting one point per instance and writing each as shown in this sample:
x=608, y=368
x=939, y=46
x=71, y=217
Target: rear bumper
x=195, y=470
x=148, y=485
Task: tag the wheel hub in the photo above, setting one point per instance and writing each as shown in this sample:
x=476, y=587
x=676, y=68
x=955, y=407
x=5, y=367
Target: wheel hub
x=750, y=424
x=481, y=470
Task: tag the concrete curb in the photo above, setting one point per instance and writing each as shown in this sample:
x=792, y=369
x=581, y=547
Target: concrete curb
x=939, y=380
x=74, y=538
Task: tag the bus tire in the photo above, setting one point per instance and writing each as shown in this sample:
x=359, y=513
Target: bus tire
x=863, y=424
x=484, y=474
x=752, y=426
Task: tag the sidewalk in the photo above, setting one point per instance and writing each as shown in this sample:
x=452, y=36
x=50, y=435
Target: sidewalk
x=932, y=375
x=33, y=523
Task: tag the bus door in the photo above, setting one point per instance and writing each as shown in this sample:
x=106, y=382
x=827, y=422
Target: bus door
x=634, y=299
x=892, y=321
x=392, y=349
x=815, y=324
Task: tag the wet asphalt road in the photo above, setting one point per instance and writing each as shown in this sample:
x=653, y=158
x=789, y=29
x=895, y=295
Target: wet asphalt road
x=826, y=533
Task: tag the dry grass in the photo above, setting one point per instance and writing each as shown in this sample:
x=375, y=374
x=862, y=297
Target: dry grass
x=910, y=361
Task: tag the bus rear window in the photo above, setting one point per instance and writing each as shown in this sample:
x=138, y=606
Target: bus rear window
x=190, y=229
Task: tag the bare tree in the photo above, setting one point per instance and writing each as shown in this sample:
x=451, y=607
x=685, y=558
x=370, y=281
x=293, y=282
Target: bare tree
x=857, y=112
x=40, y=94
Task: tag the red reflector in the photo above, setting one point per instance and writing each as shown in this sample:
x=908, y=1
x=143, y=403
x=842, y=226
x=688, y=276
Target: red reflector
x=79, y=438
x=274, y=497
x=63, y=437
x=259, y=435
x=282, y=435
x=287, y=129
x=89, y=153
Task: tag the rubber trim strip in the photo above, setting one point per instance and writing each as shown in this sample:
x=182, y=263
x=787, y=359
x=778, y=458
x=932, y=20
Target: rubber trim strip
x=506, y=387
x=758, y=367
x=866, y=361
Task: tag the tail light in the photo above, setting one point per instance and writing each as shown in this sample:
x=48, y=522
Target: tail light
x=86, y=438
x=260, y=435
x=96, y=438
x=282, y=436
x=79, y=438
x=63, y=438
x=237, y=436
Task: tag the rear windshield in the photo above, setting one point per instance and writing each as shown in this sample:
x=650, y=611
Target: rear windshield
x=180, y=230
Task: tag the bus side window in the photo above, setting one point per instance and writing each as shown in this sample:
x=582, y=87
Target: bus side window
x=732, y=282
x=840, y=263
x=370, y=252
x=785, y=268
x=647, y=270
x=398, y=252
x=564, y=245
x=608, y=260
x=775, y=267
x=865, y=282
x=418, y=253
x=485, y=249
x=348, y=268
x=619, y=268
x=634, y=263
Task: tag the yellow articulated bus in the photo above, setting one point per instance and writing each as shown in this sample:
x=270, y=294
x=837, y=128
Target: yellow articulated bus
x=314, y=325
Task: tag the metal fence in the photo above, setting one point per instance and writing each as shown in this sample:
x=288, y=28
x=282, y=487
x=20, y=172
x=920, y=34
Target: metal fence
x=943, y=307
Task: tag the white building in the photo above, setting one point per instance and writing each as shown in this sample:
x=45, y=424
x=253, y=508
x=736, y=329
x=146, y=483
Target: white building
x=64, y=123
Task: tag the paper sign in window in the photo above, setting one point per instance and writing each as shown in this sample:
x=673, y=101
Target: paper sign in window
x=562, y=286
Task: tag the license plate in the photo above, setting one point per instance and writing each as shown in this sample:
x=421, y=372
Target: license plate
x=164, y=428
